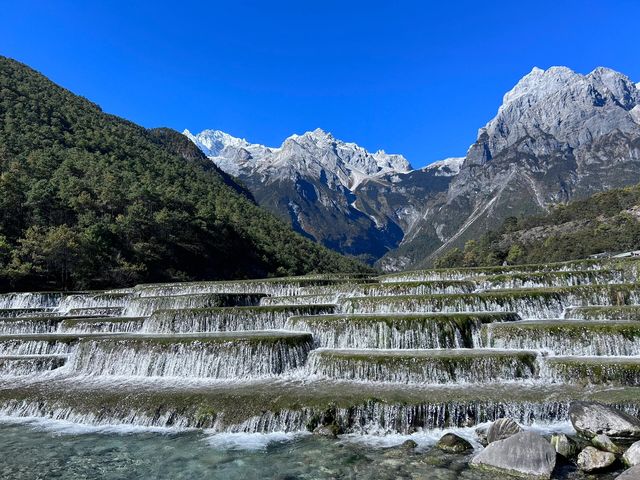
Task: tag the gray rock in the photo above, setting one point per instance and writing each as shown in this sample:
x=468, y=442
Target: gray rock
x=632, y=456
x=311, y=179
x=525, y=454
x=564, y=445
x=591, y=459
x=558, y=135
x=501, y=429
x=408, y=445
x=602, y=442
x=452, y=443
x=632, y=474
x=591, y=418
x=481, y=433
x=330, y=431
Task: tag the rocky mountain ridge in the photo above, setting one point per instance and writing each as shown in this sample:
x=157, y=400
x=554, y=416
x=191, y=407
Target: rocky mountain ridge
x=332, y=191
x=558, y=135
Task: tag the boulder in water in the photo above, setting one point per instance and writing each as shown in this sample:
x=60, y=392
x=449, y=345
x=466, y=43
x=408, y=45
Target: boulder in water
x=523, y=454
x=408, y=445
x=632, y=456
x=452, y=443
x=632, y=474
x=591, y=459
x=602, y=442
x=565, y=446
x=501, y=429
x=330, y=431
x=592, y=418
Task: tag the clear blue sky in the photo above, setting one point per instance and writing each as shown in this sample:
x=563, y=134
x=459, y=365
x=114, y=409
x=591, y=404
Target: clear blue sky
x=411, y=77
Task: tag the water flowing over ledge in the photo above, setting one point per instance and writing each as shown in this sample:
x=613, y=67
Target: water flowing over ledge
x=376, y=356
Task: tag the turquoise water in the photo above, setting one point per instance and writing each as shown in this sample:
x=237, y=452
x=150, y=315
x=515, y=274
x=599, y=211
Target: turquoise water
x=36, y=452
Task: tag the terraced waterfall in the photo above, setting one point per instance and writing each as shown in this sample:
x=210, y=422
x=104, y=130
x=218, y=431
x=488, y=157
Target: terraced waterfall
x=392, y=354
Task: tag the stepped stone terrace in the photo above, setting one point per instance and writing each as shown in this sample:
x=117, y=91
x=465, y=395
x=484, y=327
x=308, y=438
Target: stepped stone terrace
x=391, y=354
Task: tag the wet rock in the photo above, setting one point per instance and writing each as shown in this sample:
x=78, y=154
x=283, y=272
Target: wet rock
x=481, y=433
x=591, y=459
x=524, y=454
x=501, y=429
x=564, y=446
x=592, y=418
x=631, y=457
x=632, y=474
x=452, y=443
x=604, y=443
x=408, y=445
x=329, y=431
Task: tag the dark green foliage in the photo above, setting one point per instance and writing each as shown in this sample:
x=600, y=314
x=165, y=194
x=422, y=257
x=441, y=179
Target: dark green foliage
x=606, y=222
x=89, y=200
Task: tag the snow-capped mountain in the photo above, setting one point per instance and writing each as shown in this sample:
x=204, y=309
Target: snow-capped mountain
x=315, y=153
x=330, y=190
x=557, y=136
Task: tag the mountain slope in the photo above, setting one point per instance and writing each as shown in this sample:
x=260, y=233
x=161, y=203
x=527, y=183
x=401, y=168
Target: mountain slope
x=558, y=136
x=89, y=200
x=337, y=193
x=605, y=222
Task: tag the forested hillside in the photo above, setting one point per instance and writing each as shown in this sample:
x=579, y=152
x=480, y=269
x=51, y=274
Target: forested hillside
x=606, y=222
x=89, y=200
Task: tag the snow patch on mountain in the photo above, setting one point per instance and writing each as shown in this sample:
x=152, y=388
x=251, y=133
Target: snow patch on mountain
x=316, y=154
x=448, y=167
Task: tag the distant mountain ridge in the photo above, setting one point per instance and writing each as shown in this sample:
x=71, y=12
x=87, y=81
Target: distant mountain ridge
x=558, y=136
x=311, y=153
x=329, y=189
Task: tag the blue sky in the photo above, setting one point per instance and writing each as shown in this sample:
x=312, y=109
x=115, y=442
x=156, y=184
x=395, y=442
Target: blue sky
x=411, y=77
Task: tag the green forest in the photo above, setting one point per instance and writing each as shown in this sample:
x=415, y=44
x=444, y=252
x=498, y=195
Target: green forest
x=89, y=200
x=607, y=222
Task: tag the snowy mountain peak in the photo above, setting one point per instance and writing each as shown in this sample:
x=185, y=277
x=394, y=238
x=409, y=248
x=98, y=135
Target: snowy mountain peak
x=316, y=153
x=571, y=107
x=448, y=167
x=539, y=82
x=213, y=142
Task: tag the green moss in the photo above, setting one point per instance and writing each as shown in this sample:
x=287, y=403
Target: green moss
x=146, y=341
x=618, y=294
x=400, y=319
x=616, y=312
x=237, y=403
x=567, y=328
x=72, y=322
x=248, y=310
x=597, y=370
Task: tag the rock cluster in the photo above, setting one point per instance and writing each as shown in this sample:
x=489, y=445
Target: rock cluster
x=606, y=440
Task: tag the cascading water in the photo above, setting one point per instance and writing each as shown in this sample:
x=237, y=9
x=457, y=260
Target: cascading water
x=566, y=337
x=423, y=366
x=320, y=299
x=145, y=306
x=84, y=325
x=396, y=330
x=214, y=356
x=17, y=325
x=30, y=300
x=620, y=371
x=227, y=318
x=434, y=349
x=36, y=345
x=19, y=365
x=535, y=303
x=94, y=301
